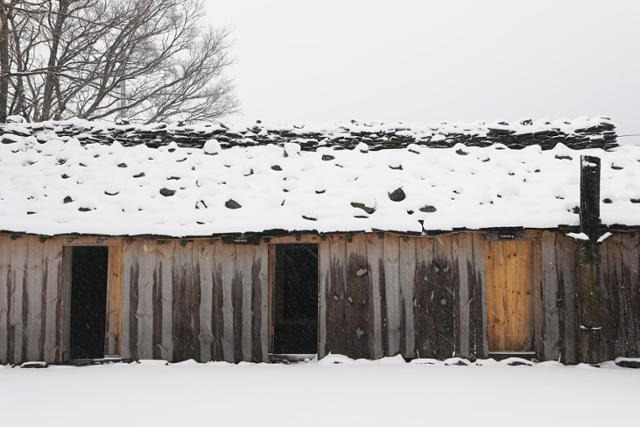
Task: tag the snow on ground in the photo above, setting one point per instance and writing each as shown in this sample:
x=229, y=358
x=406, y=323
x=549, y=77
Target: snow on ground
x=383, y=393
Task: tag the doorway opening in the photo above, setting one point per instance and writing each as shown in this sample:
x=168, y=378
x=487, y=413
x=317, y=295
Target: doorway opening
x=295, y=299
x=89, y=266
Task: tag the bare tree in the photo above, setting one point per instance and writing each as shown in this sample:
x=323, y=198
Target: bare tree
x=143, y=60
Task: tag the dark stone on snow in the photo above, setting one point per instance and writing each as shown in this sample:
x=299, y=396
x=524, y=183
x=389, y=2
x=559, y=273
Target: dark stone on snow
x=309, y=218
x=327, y=157
x=111, y=194
x=461, y=152
x=64, y=176
x=232, y=204
x=397, y=195
x=428, y=209
x=67, y=199
x=276, y=168
x=122, y=165
x=363, y=207
x=625, y=363
x=635, y=200
x=139, y=175
x=607, y=200
x=396, y=168
x=82, y=209
x=559, y=157
x=166, y=192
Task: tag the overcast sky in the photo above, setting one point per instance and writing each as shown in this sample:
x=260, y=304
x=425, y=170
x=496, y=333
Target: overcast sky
x=429, y=61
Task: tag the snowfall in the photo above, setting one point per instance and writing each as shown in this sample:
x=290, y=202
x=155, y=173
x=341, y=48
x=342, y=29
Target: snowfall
x=332, y=391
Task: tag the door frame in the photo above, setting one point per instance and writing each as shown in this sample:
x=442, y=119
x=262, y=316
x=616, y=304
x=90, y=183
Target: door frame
x=272, y=243
x=535, y=237
x=113, y=314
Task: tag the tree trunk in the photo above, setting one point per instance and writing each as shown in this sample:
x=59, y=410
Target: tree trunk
x=4, y=61
x=52, y=75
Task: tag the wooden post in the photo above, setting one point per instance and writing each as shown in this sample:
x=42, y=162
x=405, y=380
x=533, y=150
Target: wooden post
x=591, y=347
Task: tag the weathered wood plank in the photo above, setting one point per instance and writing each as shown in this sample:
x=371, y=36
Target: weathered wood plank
x=443, y=303
x=165, y=252
x=146, y=257
x=260, y=303
x=336, y=315
x=5, y=297
x=217, y=316
x=186, y=299
x=463, y=256
x=631, y=291
x=407, y=276
x=34, y=292
x=536, y=293
x=375, y=266
x=63, y=310
x=114, y=301
x=358, y=326
x=204, y=253
x=479, y=306
x=391, y=253
x=18, y=301
x=551, y=323
x=566, y=262
x=244, y=261
x=226, y=264
x=425, y=330
x=324, y=272
x=616, y=295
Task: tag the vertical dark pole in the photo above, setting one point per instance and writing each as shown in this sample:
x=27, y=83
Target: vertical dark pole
x=591, y=347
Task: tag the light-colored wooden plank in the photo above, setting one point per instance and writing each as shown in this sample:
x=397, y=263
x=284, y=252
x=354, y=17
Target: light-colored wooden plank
x=204, y=251
x=244, y=263
x=391, y=253
x=64, y=313
x=164, y=266
x=262, y=260
x=128, y=259
x=305, y=238
x=227, y=265
x=407, y=259
x=5, y=296
x=463, y=254
x=481, y=339
x=91, y=241
x=114, y=301
x=144, y=311
x=34, y=293
x=375, y=260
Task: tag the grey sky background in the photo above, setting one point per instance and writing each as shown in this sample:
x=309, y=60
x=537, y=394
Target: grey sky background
x=430, y=61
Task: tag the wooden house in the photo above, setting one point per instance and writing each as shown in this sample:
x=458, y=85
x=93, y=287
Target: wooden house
x=368, y=240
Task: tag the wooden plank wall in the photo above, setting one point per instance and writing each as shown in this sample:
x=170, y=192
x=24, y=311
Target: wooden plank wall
x=380, y=295
x=31, y=285
x=620, y=281
x=202, y=299
x=386, y=294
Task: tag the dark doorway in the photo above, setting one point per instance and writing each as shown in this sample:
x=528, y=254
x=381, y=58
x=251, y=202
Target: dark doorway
x=296, y=299
x=88, y=301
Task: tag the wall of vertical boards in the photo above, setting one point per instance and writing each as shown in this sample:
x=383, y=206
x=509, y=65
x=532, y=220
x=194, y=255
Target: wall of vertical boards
x=379, y=294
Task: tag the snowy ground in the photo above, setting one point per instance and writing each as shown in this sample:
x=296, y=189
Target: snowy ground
x=384, y=393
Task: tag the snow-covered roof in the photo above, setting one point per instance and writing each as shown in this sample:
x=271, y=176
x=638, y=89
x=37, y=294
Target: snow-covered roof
x=54, y=180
